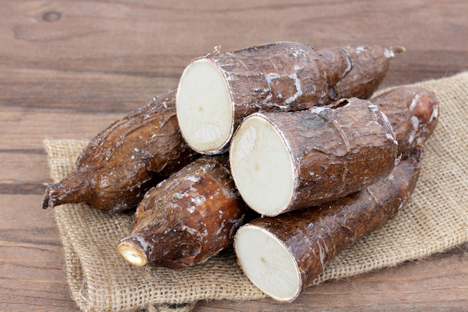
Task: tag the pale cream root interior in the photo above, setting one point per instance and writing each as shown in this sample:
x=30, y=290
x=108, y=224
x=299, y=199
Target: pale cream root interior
x=267, y=263
x=262, y=166
x=132, y=253
x=204, y=108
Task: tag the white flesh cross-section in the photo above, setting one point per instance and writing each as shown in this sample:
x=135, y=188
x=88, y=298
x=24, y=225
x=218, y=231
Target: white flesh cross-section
x=267, y=263
x=262, y=166
x=204, y=107
x=132, y=253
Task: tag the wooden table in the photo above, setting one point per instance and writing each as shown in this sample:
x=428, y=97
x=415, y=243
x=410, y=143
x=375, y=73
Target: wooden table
x=69, y=68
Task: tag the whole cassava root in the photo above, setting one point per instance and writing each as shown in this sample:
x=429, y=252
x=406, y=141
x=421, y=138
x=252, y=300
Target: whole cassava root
x=283, y=255
x=187, y=218
x=217, y=91
x=289, y=161
x=122, y=162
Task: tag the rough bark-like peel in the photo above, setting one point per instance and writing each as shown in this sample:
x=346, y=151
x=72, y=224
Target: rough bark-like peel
x=187, y=218
x=334, y=151
x=122, y=162
x=288, y=76
x=313, y=237
x=413, y=113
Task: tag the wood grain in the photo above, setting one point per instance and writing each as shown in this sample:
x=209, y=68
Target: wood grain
x=68, y=68
x=32, y=276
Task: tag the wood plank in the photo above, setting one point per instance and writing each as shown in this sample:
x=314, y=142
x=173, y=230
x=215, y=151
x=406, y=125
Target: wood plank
x=121, y=93
x=26, y=129
x=115, y=56
x=76, y=91
x=32, y=275
x=19, y=167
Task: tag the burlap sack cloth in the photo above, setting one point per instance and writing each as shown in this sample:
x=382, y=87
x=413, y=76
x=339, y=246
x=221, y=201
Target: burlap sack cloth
x=435, y=220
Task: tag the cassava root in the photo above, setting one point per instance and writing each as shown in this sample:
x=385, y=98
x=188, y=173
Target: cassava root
x=217, y=91
x=122, y=162
x=187, y=218
x=288, y=161
x=282, y=255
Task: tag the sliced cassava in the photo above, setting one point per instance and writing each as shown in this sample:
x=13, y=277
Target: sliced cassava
x=187, y=218
x=288, y=161
x=217, y=91
x=413, y=113
x=282, y=255
x=122, y=162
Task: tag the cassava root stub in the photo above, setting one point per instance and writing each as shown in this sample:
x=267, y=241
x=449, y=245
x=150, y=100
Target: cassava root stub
x=413, y=113
x=282, y=255
x=187, y=218
x=122, y=162
x=218, y=90
x=288, y=161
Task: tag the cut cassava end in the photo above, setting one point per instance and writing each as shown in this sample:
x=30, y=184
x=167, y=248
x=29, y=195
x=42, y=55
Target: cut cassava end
x=267, y=262
x=262, y=166
x=289, y=161
x=283, y=255
x=217, y=91
x=132, y=253
x=204, y=106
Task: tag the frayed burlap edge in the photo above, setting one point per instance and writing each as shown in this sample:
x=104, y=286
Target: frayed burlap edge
x=434, y=221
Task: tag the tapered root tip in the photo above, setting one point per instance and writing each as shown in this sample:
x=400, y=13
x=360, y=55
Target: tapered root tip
x=71, y=190
x=47, y=201
x=391, y=51
x=132, y=253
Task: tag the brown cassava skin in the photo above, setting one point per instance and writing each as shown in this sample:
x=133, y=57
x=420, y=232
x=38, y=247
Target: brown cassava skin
x=413, y=113
x=315, y=236
x=122, y=162
x=369, y=67
x=189, y=217
x=291, y=76
x=335, y=151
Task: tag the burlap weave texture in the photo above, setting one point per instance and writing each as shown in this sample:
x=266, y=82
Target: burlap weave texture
x=435, y=220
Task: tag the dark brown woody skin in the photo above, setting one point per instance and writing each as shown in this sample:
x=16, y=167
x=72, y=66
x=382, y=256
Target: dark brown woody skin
x=413, y=113
x=109, y=179
x=291, y=76
x=122, y=162
x=178, y=193
x=315, y=236
x=189, y=217
x=369, y=67
x=264, y=77
x=335, y=151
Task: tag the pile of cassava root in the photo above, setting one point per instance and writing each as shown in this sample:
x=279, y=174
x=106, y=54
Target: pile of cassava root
x=306, y=149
